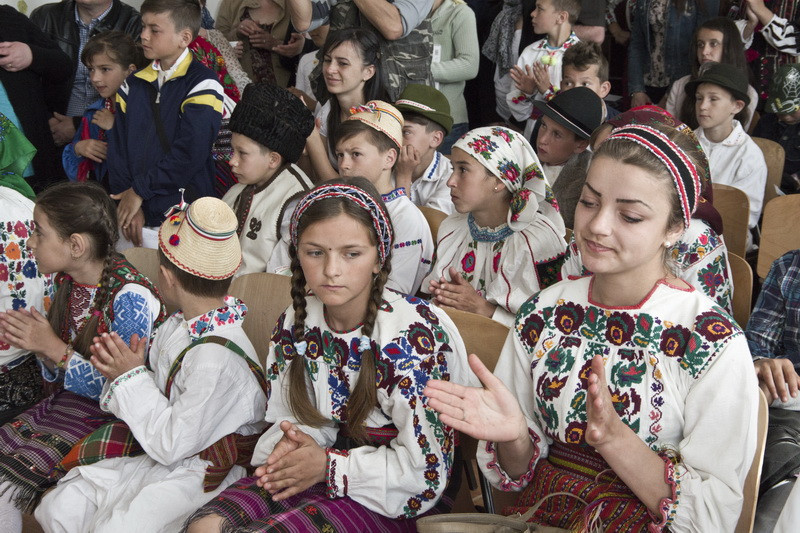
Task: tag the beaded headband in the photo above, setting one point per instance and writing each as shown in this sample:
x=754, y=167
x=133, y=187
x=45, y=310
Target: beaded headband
x=680, y=166
x=379, y=216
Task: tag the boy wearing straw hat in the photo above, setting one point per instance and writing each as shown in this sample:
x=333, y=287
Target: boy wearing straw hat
x=195, y=408
x=270, y=126
x=368, y=145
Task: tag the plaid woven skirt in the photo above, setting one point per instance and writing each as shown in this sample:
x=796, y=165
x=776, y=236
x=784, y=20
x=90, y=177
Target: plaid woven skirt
x=583, y=472
x=33, y=443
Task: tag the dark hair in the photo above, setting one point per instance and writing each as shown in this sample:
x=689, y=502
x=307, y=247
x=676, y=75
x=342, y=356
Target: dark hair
x=422, y=120
x=572, y=7
x=583, y=55
x=364, y=397
x=368, y=46
x=184, y=14
x=732, y=54
x=83, y=208
x=117, y=45
x=195, y=285
x=350, y=128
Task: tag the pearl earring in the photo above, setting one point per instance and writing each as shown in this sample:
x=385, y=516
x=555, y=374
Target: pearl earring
x=667, y=244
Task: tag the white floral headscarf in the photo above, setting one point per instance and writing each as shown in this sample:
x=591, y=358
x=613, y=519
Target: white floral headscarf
x=509, y=157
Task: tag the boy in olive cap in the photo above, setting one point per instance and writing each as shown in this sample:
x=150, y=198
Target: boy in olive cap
x=269, y=127
x=421, y=169
x=721, y=99
x=781, y=122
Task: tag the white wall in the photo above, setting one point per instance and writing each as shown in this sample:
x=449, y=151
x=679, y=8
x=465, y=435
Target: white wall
x=26, y=6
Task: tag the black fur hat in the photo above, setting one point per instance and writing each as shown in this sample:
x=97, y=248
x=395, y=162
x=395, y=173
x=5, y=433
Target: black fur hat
x=273, y=117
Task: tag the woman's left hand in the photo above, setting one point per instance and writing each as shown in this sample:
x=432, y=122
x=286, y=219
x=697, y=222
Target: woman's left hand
x=603, y=424
x=297, y=465
x=458, y=293
x=30, y=330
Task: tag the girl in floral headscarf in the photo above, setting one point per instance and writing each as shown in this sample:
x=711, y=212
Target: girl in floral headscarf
x=506, y=241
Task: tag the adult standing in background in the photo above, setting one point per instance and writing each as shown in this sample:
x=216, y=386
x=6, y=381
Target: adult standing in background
x=34, y=83
x=660, y=47
x=403, y=26
x=456, y=58
x=262, y=27
x=71, y=23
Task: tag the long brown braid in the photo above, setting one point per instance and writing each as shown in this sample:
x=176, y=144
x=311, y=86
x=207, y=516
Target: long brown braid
x=87, y=209
x=363, y=397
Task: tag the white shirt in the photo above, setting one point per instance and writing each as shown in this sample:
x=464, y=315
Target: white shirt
x=739, y=162
x=21, y=284
x=412, y=251
x=431, y=189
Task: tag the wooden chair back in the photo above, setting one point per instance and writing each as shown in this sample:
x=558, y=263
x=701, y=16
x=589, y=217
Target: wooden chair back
x=145, y=260
x=746, y=519
x=434, y=218
x=485, y=338
x=734, y=207
x=775, y=156
x=742, y=276
x=779, y=232
x=753, y=122
x=266, y=296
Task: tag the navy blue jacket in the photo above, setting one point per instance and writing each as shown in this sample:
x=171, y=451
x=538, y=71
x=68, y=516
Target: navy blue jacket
x=190, y=104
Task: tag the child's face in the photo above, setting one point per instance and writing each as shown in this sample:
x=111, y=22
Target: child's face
x=356, y=156
x=555, y=144
x=572, y=77
x=52, y=253
x=250, y=163
x=107, y=75
x=160, y=39
x=790, y=118
x=344, y=70
x=715, y=106
x=417, y=135
x=339, y=262
x=709, y=45
x=472, y=188
x=544, y=16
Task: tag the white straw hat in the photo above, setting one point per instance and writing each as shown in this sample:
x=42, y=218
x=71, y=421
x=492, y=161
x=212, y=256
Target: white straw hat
x=202, y=240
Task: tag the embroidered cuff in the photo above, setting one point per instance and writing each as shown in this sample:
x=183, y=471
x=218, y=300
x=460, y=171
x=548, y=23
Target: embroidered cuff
x=667, y=506
x=506, y=483
x=335, y=479
x=130, y=374
x=51, y=376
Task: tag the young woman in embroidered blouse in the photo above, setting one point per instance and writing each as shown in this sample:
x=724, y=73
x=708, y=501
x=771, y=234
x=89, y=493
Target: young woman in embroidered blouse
x=96, y=291
x=506, y=241
x=626, y=388
x=343, y=454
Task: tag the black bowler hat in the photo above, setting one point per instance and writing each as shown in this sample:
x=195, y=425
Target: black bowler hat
x=579, y=110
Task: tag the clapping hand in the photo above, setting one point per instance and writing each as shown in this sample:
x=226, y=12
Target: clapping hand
x=296, y=463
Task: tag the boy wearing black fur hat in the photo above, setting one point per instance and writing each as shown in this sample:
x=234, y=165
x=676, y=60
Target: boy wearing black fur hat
x=269, y=127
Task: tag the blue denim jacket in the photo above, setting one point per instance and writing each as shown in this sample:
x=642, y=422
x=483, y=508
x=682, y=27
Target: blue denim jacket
x=678, y=40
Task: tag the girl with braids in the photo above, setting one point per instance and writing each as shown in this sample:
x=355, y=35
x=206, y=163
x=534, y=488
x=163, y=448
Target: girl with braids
x=627, y=388
x=96, y=291
x=353, y=445
x=352, y=72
